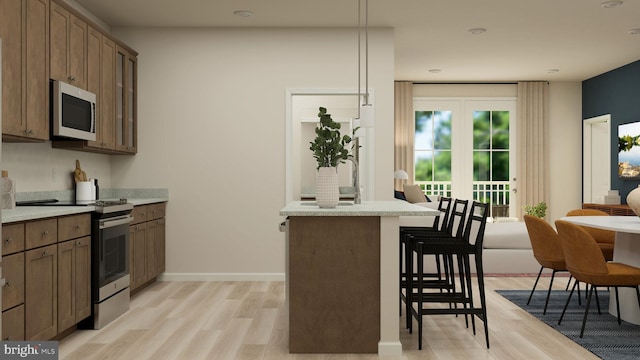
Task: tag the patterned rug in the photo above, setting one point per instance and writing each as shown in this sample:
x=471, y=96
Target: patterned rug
x=602, y=335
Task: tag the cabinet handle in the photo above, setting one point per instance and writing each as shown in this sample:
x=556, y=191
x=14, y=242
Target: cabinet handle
x=28, y=132
x=8, y=338
x=72, y=78
x=45, y=233
x=44, y=253
x=79, y=243
x=8, y=283
x=77, y=227
x=8, y=240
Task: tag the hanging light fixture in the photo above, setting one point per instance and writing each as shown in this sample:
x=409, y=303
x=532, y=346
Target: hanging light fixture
x=366, y=114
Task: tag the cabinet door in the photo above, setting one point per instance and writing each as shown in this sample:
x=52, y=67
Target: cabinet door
x=13, y=324
x=13, y=272
x=137, y=238
x=108, y=93
x=41, y=293
x=24, y=29
x=83, y=277
x=151, y=249
x=41, y=232
x=68, y=36
x=94, y=57
x=12, y=82
x=160, y=238
x=12, y=238
x=37, y=70
x=66, y=285
x=125, y=101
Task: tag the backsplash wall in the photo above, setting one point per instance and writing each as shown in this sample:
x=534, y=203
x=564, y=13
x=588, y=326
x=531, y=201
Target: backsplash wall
x=39, y=167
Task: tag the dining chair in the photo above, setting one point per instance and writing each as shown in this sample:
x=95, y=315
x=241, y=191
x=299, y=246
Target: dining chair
x=587, y=264
x=468, y=245
x=605, y=239
x=547, y=250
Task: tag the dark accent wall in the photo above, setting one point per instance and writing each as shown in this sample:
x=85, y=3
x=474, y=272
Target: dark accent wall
x=616, y=92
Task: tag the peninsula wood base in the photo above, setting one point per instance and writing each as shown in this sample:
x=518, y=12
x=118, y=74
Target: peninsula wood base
x=334, y=284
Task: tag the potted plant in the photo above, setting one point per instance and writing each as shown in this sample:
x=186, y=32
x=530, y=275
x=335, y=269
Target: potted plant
x=330, y=148
x=539, y=210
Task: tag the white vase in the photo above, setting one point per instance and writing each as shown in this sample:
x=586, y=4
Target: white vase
x=327, y=191
x=633, y=200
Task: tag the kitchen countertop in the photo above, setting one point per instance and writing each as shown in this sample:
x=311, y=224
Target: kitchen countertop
x=367, y=208
x=24, y=213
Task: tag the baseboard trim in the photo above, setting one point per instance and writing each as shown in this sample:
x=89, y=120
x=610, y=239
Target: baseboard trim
x=389, y=348
x=221, y=277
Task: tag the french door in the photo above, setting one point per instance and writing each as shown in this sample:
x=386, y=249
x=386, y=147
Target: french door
x=465, y=148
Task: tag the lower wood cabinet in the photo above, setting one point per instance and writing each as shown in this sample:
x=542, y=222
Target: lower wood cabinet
x=47, y=265
x=147, y=244
x=13, y=324
x=74, y=282
x=41, y=293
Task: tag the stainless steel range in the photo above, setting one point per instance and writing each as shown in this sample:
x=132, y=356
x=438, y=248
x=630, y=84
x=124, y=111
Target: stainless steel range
x=110, y=260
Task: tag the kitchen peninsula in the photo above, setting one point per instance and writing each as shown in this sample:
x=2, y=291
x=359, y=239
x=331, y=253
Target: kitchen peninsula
x=342, y=276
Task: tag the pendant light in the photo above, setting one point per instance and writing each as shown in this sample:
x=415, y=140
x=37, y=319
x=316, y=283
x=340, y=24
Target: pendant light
x=366, y=114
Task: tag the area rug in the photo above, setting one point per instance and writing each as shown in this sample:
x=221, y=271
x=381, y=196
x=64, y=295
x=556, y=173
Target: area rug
x=602, y=335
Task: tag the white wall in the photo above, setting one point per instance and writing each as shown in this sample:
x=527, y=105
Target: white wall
x=38, y=167
x=565, y=148
x=211, y=115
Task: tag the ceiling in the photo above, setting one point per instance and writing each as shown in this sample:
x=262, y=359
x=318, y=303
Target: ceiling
x=555, y=40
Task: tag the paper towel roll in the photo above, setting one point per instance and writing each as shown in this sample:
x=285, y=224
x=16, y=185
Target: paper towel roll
x=83, y=190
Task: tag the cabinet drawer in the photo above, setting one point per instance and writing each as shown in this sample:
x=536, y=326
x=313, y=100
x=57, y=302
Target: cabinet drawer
x=139, y=214
x=74, y=226
x=13, y=272
x=13, y=324
x=41, y=232
x=155, y=211
x=12, y=238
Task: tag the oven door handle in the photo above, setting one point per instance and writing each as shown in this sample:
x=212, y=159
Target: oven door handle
x=126, y=219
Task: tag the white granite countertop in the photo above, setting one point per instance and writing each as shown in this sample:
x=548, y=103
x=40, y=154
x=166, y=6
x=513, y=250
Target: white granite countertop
x=367, y=208
x=24, y=213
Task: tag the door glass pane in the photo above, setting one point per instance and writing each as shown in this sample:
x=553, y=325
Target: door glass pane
x=433, y=151
x=481, y=130
x=500, y=132
x=481, y=166
x=500, y=166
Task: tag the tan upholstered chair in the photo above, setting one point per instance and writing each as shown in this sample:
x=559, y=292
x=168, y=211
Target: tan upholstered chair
x=604, y=238
x=586, y=263
x=546, y=249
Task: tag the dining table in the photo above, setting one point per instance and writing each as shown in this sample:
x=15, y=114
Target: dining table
x=626, y=250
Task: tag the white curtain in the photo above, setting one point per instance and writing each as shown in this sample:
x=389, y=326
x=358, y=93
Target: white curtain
x=532, y=176
x=404, y=139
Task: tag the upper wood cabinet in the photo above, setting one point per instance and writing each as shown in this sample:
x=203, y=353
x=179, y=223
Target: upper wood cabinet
x=68, y=47
x=110, y=73
x=125, y=101
x=24, y=29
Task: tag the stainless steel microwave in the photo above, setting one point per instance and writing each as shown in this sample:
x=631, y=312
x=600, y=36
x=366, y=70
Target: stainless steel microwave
x=73, y=112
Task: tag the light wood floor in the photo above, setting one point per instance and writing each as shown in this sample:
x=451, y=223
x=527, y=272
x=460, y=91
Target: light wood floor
x=246, y=320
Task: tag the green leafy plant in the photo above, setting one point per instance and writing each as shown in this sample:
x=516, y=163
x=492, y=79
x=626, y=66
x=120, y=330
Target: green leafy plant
x=538, y=210
x=329, y=147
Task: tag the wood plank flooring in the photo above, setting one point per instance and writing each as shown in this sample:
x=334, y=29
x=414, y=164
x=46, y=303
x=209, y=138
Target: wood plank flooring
x=246, y=320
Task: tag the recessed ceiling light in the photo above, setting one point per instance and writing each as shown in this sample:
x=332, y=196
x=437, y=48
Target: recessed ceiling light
x=477, y=31
x=634, y=31
x=435, y=71
x=552, y=71
x=611, y=4
x=242, y=13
